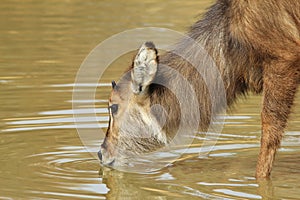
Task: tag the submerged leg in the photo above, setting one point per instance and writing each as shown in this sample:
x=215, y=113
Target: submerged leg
x=280, y=84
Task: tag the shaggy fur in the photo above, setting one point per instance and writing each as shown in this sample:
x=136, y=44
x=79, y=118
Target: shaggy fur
x=256, y=46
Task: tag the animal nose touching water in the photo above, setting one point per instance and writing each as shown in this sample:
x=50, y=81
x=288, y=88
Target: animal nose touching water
x=256, y=48
x=133, y=128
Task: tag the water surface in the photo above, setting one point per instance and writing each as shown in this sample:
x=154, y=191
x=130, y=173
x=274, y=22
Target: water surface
x=42, y=46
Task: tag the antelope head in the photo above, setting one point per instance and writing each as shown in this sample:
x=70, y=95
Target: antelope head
x=133, y=126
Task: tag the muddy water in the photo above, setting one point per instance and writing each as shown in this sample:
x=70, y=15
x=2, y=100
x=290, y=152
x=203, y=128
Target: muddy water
x=42, y=44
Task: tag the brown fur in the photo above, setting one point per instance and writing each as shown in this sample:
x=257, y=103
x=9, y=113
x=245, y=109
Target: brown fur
x=256, y=46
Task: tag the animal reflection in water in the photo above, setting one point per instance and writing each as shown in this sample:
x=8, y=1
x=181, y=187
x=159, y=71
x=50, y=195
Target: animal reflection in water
x=165, y=182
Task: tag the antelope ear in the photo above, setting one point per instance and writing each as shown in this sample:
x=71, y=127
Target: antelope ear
x=144, y=68
x=113, y=84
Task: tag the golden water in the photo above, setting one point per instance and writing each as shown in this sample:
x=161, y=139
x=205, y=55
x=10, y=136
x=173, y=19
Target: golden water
x=42, y=44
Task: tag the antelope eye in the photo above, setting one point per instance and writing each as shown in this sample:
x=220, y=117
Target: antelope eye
x=114, y=108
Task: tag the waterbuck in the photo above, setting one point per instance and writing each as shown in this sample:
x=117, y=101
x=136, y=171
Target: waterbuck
x=255, y=45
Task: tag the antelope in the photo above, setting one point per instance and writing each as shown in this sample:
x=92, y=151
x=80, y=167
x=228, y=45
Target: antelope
x=256, y=48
